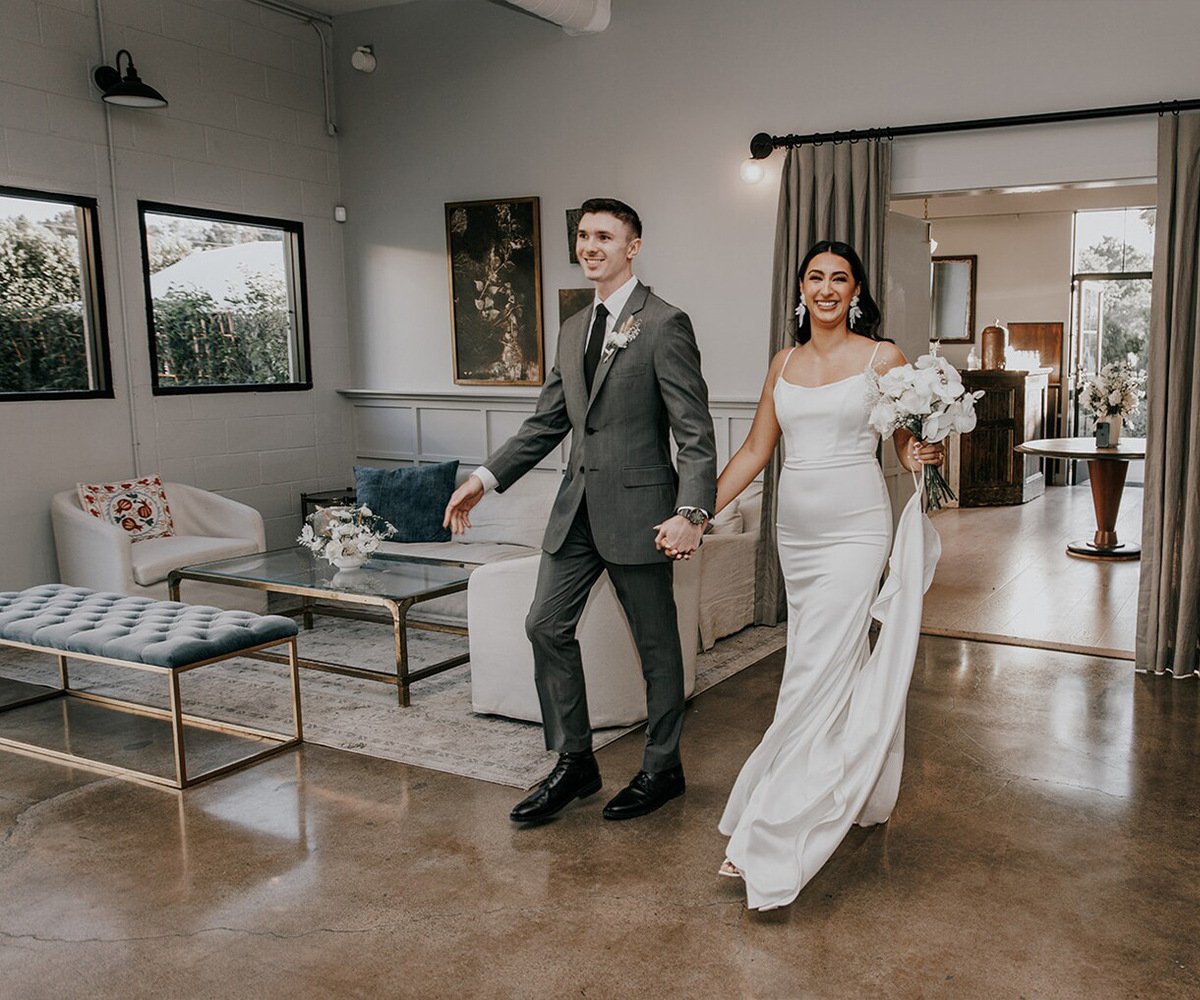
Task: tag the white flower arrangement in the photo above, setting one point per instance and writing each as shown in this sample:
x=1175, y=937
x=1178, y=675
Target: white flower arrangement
x=1115, y=391
x=927, y=399
x=623, y=337
x=345, y=536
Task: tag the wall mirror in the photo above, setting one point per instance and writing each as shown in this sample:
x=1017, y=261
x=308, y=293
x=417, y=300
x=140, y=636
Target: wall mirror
x=952, y=318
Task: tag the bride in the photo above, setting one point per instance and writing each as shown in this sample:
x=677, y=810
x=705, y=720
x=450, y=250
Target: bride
x=833, y=753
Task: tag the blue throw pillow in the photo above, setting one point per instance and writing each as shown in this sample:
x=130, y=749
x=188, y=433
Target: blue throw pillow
x=413, y=500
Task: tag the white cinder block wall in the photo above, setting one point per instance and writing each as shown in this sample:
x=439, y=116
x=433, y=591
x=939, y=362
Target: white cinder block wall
x=245, y=131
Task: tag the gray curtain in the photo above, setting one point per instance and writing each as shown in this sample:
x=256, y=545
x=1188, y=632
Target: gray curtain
x=1168, y=623
x=827, y=192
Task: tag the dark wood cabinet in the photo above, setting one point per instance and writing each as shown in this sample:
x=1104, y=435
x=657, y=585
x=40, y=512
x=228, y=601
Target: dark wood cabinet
x=1011, y=411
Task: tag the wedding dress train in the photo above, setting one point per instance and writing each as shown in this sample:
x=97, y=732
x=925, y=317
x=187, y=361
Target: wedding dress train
x=835, y=749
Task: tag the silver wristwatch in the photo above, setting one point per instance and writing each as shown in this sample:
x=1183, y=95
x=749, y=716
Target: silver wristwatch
x=696, y=515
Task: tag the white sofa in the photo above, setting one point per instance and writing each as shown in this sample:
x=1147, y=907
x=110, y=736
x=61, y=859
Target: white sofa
x=498, y=599
x=727, y=576
x=714, y=595
x=101, y=556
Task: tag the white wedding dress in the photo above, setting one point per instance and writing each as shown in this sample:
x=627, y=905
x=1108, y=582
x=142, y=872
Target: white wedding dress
x=834, y=752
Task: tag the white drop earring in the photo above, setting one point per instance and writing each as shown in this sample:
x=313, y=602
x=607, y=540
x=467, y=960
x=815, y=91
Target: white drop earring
x=800, y=310
x=855, y=312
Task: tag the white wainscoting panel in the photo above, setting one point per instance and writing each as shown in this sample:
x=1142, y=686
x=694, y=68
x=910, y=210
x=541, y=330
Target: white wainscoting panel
x=382, y=431
x=448, y=431
x=401, y=428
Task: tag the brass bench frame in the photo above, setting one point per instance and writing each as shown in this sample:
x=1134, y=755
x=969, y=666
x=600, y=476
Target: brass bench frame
x=182, y=779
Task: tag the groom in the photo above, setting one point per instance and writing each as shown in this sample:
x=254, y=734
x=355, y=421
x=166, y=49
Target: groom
x=627, y=375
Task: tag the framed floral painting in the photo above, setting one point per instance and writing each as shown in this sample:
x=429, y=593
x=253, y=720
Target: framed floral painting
x=571, y=300
x=494, y=251
x=573, y=217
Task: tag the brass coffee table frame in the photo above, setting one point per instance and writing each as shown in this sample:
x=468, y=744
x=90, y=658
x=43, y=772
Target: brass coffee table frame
x=175, y=714
x=316, y=600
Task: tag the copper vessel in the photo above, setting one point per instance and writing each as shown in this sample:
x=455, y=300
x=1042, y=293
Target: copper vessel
x=994, y=339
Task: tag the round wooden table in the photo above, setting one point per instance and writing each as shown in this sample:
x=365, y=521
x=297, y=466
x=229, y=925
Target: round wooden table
x=1106, y=469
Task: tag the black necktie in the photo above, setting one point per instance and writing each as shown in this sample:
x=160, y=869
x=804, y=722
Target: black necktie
x=591, y=357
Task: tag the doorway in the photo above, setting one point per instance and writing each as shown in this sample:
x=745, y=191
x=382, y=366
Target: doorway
x=1075, y=259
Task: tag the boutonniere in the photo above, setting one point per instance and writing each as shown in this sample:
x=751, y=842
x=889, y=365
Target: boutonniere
x=622, y=337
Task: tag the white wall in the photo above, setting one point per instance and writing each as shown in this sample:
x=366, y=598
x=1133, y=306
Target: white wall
x=1023, y=242
x=244, y=132
x=1022, y=271
x=471, y=100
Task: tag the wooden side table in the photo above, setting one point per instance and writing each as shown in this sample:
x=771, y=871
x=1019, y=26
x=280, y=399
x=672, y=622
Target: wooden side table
x=1107, y=468
x=309, y=502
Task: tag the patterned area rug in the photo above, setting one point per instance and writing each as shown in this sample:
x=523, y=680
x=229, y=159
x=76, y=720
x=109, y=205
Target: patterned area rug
x=438, y=731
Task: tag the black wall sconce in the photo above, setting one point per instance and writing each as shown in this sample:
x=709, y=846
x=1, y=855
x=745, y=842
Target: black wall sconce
x=127, y=90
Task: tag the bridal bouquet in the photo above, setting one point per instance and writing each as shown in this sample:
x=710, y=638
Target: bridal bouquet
x=927, y=399
x=345, y=536
x=1115, y=391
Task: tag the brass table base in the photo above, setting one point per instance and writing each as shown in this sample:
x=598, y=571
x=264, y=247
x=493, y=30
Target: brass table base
x=182, y=779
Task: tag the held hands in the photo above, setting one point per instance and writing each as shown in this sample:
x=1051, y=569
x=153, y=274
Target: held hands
x=920, y=453
x=461, y=501
x=677, y=537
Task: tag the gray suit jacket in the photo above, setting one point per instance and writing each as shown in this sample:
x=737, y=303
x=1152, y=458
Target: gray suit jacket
x=620, y=433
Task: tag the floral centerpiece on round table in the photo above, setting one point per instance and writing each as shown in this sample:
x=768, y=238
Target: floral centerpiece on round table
x=345, y=536
x=927, y=399
x=1113, y=394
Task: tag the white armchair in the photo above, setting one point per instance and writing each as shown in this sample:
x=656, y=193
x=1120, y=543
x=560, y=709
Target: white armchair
x=102, y=556
x=498, y=598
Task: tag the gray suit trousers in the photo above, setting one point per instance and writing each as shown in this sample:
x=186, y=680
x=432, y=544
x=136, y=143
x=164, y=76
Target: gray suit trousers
x=646, y=592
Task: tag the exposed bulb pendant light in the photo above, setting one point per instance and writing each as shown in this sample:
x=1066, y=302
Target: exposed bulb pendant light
x=929, y=229
x=127, y=90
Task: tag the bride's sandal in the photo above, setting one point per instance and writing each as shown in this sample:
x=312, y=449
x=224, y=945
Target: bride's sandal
x=729, y=869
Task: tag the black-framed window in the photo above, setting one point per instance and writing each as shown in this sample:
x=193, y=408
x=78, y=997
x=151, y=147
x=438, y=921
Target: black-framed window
x=226, y=305
x=53, y=330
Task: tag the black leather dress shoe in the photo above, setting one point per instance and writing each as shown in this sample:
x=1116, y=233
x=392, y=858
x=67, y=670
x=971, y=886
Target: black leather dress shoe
x=575, y=776
x=647, y=792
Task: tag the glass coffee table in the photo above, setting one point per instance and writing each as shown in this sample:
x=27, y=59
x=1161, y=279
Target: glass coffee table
x=392, y=583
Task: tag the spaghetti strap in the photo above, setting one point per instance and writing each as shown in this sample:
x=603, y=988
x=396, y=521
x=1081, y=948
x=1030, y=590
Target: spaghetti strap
x=871, y=363
x=779, y=377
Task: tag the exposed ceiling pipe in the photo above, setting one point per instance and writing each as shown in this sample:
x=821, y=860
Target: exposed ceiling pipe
x=577, y=17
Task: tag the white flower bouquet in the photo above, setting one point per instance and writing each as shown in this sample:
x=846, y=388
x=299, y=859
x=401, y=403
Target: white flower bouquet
x=1115, y=391
x=345, y=536
x=927, y=399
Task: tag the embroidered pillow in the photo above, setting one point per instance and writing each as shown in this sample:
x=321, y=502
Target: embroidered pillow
x=412, y=499
x=137, y=505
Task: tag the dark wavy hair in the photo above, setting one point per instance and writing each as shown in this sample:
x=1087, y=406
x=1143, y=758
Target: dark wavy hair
x=868, y=323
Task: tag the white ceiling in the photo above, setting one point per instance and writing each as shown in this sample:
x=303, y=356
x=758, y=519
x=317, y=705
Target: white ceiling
x=337, y=7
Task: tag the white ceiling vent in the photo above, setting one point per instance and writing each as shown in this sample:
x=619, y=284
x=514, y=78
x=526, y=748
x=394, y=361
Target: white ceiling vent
x=577, y=17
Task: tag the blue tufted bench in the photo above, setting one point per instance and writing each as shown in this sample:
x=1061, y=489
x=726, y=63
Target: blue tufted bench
x=163, y=637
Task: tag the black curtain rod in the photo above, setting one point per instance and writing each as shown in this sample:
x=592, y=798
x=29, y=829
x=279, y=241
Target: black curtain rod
x=763, y=144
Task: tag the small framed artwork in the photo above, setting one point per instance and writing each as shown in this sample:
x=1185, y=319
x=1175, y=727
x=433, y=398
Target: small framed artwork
x=572, y=300
x=573, y=217
x=952, y=316
x=494, y=253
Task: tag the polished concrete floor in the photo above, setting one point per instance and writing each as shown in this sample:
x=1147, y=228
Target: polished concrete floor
x=1045, y=845
x=1005, y=574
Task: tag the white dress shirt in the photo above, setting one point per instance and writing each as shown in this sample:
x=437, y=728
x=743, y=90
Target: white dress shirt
x=614, y=304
